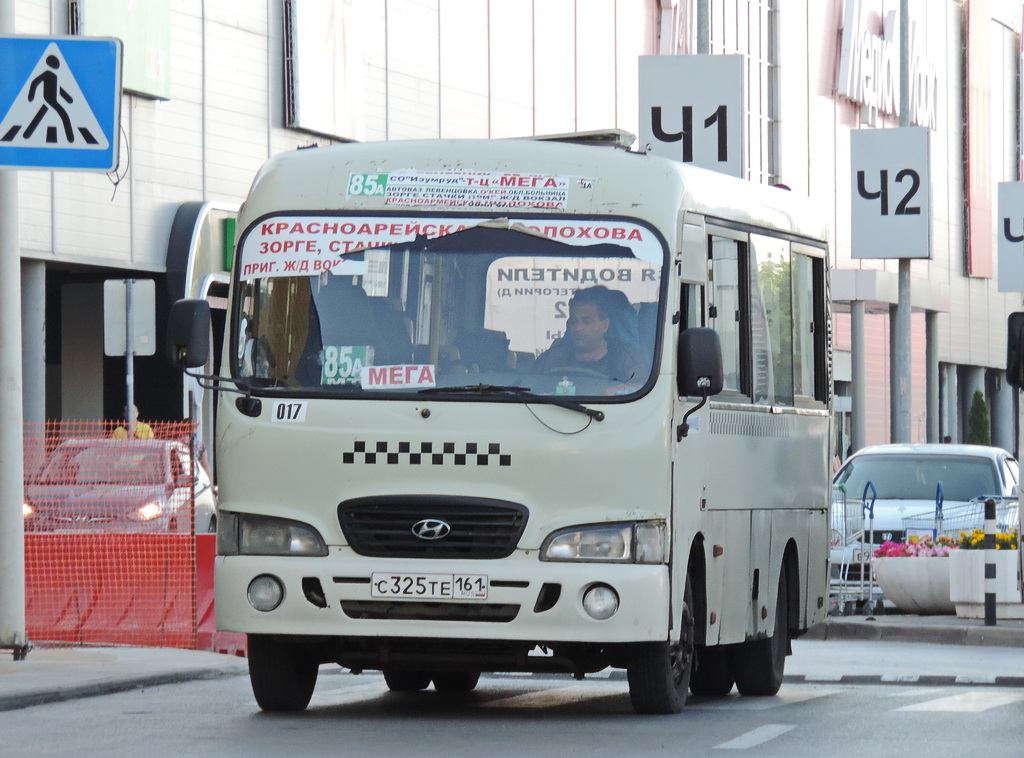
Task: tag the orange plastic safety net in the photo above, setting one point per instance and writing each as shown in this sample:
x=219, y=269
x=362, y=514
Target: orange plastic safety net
x=111, y=515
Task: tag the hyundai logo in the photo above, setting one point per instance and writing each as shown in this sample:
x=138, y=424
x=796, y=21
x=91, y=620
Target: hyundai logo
x=431, y=529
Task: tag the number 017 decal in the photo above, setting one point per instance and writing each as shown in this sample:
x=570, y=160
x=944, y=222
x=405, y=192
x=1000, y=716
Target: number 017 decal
x=288, y=410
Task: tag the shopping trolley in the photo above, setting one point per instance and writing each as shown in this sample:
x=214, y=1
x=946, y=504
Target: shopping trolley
x=951, y=522
x=851, y=581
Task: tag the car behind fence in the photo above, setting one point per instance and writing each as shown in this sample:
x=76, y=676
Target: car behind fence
x=114, y=552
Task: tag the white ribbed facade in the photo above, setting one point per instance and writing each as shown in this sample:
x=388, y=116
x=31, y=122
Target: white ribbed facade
x=498, y=68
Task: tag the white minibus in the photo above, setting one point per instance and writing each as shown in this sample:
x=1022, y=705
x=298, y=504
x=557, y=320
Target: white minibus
x=519, y=406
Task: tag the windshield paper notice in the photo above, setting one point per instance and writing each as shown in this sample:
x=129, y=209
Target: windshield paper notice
x=311, y=245
x=464, y=189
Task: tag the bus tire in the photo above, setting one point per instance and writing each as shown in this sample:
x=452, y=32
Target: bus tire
x=282, y=675
x=456, y=681
x=759, y=665
x=404, y=680
x=712, y=672
x=659, y=672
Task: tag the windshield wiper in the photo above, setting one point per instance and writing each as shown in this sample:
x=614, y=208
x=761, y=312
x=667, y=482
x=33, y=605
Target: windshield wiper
x=523, y=393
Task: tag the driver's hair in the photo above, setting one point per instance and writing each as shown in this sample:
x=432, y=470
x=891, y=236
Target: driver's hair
x=598, y=295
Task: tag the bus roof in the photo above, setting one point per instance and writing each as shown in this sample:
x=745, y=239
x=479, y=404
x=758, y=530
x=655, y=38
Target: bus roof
x=594, y=180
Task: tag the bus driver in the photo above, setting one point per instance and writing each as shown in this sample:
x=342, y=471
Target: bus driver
x=588, y=345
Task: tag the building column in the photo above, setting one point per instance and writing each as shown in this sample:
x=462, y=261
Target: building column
x=931, y=361
x=33, y=360
x=1001, y=411
x=950, y=417
x=858, y=376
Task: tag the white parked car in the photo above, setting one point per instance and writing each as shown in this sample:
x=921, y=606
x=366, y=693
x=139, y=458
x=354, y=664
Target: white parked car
x=119, y=485
x=907, y=480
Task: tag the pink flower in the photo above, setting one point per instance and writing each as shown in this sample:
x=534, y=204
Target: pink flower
x=916, y=547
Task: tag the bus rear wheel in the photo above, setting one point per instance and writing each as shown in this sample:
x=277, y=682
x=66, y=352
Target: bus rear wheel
x=456, y=681
x=659, y=672
x=712, y=672
x=282, y=675
x=404, y=680
x=759, y=666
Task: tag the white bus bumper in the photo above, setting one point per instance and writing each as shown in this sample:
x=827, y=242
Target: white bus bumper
x=527, y=600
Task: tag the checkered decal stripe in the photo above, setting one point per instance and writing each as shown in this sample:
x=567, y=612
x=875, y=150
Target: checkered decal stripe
x=428, y=454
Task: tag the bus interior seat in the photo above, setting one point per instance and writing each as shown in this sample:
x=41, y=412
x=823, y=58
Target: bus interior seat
x=647, y=326
x=523, y=361
x=483, y=349
x=341, y=313
x=623, y=318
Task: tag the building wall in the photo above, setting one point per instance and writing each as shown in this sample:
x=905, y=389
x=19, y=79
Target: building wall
x=972, y=331
x=501, y=68
x=430, y=68
x=434, y=68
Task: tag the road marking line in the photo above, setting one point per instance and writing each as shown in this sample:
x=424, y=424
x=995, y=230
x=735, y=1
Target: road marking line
x=756, y=737
x=961, y=679
x=972, y=701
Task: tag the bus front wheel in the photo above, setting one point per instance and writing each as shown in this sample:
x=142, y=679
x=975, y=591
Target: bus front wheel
x=659, y=672
x=282, y=675
x=759, y=665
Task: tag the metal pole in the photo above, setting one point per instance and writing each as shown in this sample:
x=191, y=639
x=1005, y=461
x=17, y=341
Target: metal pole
x=901, y=355
x=13, y=633
x=129, y=353
x=901, y=360
x=990, y=562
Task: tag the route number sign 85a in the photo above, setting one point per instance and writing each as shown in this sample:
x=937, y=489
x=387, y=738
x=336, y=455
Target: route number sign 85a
x=890, y=193
x=343, y=364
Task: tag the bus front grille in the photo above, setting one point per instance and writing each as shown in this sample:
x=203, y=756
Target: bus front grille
x=498, y=613
x=427, y=526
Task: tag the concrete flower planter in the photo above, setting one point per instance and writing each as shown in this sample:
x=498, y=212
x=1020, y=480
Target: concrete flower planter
x=967, y=584
x=915, y=584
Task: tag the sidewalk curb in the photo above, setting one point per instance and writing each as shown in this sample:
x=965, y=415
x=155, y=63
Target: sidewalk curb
x=73, y=692
x=871, y=628
x=918, y=681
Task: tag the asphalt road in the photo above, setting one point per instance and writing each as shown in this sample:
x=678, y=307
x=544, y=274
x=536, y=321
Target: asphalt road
x=517, y=716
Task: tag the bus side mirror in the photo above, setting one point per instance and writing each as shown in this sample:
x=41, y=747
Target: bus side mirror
x=699, y=363
x=188, y=334
x=1015, y=350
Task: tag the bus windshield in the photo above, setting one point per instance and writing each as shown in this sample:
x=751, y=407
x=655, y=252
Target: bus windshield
x=485, y=306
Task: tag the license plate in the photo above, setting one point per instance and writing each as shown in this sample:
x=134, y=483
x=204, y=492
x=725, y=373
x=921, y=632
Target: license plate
x=429, y=586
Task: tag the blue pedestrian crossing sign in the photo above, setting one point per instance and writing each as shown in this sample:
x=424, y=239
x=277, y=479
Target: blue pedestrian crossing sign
x=60, y=102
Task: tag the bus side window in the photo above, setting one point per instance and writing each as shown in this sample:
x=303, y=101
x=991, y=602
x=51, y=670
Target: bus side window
x=692, y=306
x=725, y=295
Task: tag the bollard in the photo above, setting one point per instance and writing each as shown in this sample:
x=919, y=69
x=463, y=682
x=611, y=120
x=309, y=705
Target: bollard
x=990, y=562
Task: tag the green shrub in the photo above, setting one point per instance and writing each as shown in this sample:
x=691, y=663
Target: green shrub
x=978, y=431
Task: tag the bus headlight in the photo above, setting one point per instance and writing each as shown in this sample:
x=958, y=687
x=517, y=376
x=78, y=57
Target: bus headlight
x=624, y=542
x=248, y=534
